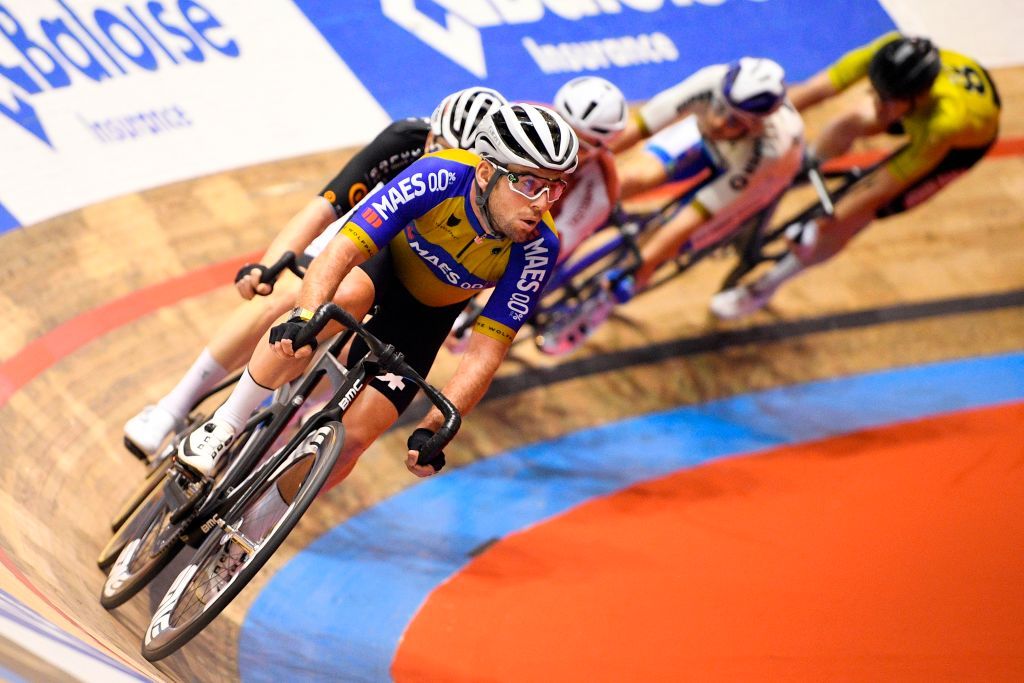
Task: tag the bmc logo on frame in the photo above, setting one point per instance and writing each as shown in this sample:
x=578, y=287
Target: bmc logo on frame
x=58, y=43
x=458, y=36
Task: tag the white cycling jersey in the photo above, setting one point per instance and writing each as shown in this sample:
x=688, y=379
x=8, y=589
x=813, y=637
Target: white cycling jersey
x=752, y=171
x=585, y=206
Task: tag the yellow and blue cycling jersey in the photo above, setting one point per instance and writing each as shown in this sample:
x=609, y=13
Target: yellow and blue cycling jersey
x=962, y=111
x=441, y=253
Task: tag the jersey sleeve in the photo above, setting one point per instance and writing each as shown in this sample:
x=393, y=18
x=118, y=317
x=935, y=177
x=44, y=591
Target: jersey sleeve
x=678, y=101
x=409, y=195
x=516, y=295
x=853, y=66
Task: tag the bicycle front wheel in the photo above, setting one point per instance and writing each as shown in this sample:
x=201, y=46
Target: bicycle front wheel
x=242, y=542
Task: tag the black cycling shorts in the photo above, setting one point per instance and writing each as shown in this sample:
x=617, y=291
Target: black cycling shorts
x=953, y=165
x=415, y=329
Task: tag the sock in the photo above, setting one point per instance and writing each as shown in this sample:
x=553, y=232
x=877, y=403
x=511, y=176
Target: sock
x=242, y=401
x=785, y=269
x=204, y=374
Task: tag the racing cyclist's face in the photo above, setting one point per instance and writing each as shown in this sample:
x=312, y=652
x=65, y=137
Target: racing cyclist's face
x=722, y=123
x=514, y=215
x=890, y=111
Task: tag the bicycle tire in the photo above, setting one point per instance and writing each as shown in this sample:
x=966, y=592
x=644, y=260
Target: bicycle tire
x=175, y=621
x=141, y=559
x=129, y=527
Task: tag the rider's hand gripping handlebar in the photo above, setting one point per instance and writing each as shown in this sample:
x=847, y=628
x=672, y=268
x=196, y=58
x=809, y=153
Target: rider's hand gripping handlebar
x=269, y=274
x=390, y=360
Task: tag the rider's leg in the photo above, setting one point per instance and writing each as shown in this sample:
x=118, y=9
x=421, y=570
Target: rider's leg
x=231, y=345
x=666, y=242
x=639, y=170
x=266, y=370
x=369, y=416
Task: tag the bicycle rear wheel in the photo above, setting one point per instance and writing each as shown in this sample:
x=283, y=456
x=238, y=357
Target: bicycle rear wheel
x=132, y=502
x=148, y=549
x=242, y=542
x=134, y=516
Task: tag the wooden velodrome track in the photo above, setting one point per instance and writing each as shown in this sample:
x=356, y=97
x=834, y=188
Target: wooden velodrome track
x=65, y=470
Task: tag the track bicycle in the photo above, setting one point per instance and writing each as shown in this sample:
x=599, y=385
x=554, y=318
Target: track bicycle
x=157, y=465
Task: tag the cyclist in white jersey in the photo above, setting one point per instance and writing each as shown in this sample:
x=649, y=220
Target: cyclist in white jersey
x=731, y=122
x=597, y=111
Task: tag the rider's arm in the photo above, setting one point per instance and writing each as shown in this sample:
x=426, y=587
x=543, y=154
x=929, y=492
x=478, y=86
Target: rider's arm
x=815, y=89
x=471, y=379
x=670, y=105
x=327, y=271
x=611, y=177
x=843, y=73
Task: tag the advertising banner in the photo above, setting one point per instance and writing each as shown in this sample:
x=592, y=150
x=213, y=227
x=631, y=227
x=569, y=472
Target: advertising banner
x=99, y=98
x=410, y=53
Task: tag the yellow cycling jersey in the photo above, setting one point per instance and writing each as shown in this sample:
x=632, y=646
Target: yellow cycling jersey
x=441, y=253
x=962, y=111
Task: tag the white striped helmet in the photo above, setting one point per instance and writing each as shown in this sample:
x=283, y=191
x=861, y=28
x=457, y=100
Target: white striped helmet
x=458, y=116
x=528, y=135
x=592, y=106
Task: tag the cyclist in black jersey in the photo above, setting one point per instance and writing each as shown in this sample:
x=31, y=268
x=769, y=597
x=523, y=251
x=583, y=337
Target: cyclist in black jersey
x=452, y=124
x=422, y=245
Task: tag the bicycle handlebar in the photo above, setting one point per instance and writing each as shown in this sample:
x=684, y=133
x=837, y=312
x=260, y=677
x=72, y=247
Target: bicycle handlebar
x=391, y=360
x=287, y=261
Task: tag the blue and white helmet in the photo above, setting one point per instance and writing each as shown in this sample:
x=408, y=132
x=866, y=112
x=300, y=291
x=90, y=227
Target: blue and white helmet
x=754, y=86
x=458, y=116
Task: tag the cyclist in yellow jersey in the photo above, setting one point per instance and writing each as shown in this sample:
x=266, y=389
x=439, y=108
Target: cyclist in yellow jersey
x=944, y=102
x=419, y=247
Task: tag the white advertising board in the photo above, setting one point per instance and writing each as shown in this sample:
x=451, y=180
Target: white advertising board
x=99, y=98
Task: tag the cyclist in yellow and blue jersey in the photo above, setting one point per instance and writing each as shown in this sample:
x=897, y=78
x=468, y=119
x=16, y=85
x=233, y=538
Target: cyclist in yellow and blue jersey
x=419, y=247
x=453, y=125
x=945, y=103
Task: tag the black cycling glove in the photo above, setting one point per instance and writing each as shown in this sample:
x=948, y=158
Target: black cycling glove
x=415, y=443
x=290, y=330
x=244, y=273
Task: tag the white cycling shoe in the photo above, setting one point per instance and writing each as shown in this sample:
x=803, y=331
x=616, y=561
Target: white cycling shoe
x=738, y=302
x=200, y=451
x=147, y=430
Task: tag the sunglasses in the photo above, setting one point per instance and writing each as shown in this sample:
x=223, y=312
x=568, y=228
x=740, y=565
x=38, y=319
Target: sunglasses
x=533, y=186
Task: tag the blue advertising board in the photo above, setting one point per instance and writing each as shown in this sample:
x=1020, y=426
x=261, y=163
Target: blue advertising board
x=410, y=53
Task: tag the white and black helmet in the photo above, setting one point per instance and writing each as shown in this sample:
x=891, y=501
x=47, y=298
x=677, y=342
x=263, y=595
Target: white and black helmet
x=458, y=116
x=528, y=135
x=592, y=106
x=754, y=86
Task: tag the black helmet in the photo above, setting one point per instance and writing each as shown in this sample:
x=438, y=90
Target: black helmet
x=904, y=68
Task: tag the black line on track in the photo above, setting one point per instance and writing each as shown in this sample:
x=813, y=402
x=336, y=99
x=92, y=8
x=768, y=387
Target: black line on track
x=533, y=378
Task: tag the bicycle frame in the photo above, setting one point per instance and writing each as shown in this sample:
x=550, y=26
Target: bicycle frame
x=266, y=426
